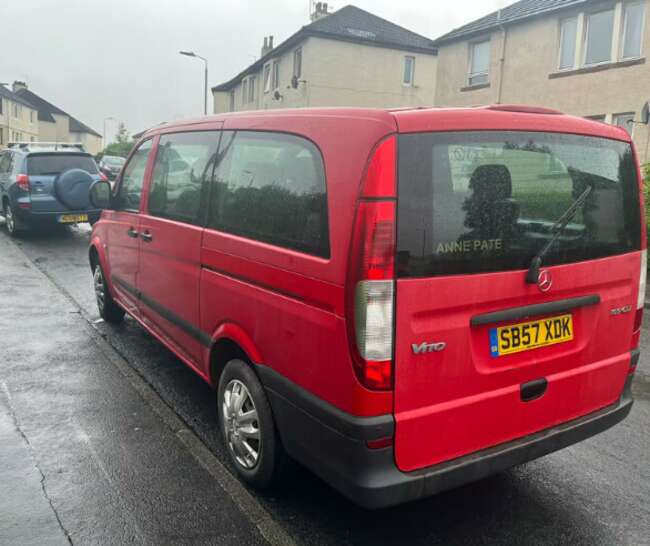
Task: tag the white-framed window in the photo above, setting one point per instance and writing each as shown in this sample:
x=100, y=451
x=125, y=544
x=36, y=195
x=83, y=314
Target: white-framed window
x=31, y=116
x=232, y=101
x=479, y=63
x=633, y=17
x=267, y=77
x=16, y=110
x=275, y=75
x=598, y=37
x=244, y=91
x=297, y=62
x=251, y=89
x=625, y=121
x=409, y=70
x=568, y=34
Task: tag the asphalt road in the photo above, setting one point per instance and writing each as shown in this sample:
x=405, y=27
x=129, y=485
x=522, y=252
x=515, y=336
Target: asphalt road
x=594, y=493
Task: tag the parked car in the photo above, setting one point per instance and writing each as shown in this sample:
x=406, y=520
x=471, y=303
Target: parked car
x=110, y=165
x=403, y=301
x=45, y=184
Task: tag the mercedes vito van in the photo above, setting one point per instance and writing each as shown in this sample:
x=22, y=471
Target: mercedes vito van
x=402, y=301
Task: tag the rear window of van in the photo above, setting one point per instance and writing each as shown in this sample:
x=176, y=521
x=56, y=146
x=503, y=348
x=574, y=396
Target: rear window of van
x=471, y=202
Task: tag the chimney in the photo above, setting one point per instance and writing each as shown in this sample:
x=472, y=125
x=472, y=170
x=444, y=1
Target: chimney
x=18, y=85
x=320, y=11
x=268, y=45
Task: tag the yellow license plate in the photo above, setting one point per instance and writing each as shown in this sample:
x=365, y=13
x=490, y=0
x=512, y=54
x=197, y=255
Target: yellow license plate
x=72, y=218
x=515, y=338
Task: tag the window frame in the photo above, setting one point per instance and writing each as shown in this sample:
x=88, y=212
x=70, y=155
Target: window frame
x=470, y=74
x=561, y=43
x=624, y=21
x=411, y=72
x=266, y=75
x=585, y=40
x=251, y=89
x=275, y=75
x=244, y=91
x=326, y=231
x=119, y=186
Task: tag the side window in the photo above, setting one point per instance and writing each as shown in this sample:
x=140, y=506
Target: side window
x=183, y=162
x=130, y=190
x=271, y=187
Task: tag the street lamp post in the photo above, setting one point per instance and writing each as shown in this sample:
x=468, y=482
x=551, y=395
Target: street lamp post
x=105, y=120
x=205, y=88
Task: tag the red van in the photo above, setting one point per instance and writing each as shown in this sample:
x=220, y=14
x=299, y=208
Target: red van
x=402, y=301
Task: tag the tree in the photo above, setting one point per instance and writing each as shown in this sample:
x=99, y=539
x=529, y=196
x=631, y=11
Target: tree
x=122, y=145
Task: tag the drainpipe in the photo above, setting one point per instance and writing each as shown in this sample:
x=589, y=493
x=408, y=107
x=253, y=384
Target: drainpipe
x=502, y=60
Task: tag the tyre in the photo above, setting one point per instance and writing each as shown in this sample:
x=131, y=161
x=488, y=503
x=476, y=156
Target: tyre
x=108, y=309
x=248, y=427
x=11, y=223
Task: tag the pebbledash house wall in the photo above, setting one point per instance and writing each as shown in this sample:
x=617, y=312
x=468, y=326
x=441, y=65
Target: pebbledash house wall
x=529, y=74
x=339, y=73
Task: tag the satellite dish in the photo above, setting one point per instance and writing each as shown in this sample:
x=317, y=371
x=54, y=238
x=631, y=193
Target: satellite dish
x=645, y=114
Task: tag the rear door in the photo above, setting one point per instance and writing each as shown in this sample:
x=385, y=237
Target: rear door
x=483, y=357
x=170, y=239
x=43, y=170
x=123, y=227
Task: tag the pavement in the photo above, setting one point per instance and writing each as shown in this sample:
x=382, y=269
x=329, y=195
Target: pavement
x=109, y=439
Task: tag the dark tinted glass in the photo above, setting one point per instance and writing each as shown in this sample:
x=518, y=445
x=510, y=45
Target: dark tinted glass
x=271, y=187
x=183, y=162
x=130, y=190
x=44, y=164
x=487, y=201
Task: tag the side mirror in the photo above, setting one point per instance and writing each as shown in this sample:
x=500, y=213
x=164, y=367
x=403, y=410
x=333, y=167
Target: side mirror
x=100, y=194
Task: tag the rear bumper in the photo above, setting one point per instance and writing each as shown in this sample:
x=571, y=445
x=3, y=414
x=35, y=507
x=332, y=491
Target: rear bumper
x=333, y=445
x=30, y=217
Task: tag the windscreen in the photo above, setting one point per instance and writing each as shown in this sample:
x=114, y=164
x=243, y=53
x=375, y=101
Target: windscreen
x=471, y=202
x=113, y=161
x=44, y=164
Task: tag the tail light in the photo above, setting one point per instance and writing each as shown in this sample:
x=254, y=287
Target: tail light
x=103, y=177
x=22, y=181
x=371, y=274
x=640, y=302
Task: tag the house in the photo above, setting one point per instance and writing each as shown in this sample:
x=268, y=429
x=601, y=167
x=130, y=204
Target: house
x=18, y=118
x=584, y=57
x=55, y=125
x=346, y=58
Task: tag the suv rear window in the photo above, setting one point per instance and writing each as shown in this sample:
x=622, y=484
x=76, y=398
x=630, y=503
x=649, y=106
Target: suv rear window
x=475, y=202
x=44, y=164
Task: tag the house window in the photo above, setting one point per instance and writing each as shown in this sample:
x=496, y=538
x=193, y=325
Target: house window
x=275, y=75
x=232, y=101
x=632, y=30
x=267, y=78
x=31, y=116
x=244, y=92
x=568, y=31
x=16, y=110
x=0, y=106
x=600, y=32
x=251, y=89
x=479, y=63
x=297, y=63
x=409, y=70
x=625, y=121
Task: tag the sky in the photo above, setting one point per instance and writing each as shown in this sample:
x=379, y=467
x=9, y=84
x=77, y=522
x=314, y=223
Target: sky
x=119, y=59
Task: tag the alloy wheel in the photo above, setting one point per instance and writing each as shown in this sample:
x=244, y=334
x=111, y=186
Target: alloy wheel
x=241, y=424
x=10, y=221
x=100, y=288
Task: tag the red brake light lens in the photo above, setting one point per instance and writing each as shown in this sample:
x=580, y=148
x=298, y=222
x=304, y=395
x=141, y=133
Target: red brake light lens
x=103, y=176
x=22, y=181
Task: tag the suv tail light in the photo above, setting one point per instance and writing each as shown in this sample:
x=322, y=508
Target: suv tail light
x=22, y=181
x=371, y=275
x=103, y=177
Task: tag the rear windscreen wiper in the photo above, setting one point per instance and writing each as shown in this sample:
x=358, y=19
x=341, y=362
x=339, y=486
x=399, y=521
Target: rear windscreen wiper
x=533, y=271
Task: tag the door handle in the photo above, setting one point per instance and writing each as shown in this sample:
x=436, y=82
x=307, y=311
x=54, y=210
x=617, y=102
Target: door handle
x=146, y=237
x=132, y=233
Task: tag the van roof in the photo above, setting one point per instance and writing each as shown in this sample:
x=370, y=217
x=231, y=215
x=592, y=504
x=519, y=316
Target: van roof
x=501, y=117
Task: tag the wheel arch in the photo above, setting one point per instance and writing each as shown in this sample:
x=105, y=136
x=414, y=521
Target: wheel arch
x=231, y=341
